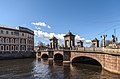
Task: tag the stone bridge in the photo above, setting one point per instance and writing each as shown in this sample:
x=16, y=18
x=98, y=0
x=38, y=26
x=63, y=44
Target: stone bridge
x=109, y=59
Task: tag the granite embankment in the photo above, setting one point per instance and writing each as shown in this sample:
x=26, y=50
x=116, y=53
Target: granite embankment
x=16, y=54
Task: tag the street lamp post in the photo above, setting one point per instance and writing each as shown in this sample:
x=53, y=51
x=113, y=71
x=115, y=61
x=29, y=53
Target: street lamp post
x=103, y=40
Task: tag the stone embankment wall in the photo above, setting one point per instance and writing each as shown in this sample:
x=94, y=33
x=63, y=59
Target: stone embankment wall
x=16, y=54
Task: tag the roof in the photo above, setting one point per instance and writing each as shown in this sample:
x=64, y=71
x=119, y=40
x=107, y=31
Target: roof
x=69, y=34
x=95, y=39
x=53, y=38
x=20, y=29
x=79, y=41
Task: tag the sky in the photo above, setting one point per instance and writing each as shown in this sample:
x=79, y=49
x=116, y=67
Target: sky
x=86, y=19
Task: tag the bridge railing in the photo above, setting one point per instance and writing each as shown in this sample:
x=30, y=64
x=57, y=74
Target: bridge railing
x=112, y=50
x=90, y=49
x=99, y=49
x=77, y=49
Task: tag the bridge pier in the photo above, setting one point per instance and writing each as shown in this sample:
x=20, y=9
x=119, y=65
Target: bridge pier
x=67, y=55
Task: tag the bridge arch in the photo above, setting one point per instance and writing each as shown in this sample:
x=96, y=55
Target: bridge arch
x=44, y=56
x=58, y=56
x=94, y=60
x=86, y=60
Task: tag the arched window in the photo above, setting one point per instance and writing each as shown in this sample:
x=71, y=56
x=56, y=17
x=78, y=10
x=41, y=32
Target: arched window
x=7, y=48
x=16, y=41
x=7, y=40
x=2, y=40
x=12, y=40
x=22, y=34
x=16, y=48
x=23, y=48
x=12, y=48
x=2, y=47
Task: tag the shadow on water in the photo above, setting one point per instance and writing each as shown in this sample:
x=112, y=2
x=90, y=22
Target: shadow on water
x=58, y=59
x=87, y=67
x=86, y=71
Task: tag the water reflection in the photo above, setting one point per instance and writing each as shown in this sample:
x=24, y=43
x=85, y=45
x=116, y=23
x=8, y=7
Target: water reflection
x=60, y=70
x=16, y=69
x=58, y=62
x=86, y=71
x=49, y=69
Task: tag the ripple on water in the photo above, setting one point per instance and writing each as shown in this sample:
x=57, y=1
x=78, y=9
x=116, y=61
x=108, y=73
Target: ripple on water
x=44, y=69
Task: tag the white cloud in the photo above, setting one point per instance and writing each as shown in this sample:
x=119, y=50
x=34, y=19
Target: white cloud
x=77, y=37
x=60, y=37
x=41, y=24
x=48, y=35
x=49, y=27
x=38, y=28
x=88, y=41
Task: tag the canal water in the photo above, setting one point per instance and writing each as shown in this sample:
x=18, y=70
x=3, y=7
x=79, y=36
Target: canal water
x=49, y=69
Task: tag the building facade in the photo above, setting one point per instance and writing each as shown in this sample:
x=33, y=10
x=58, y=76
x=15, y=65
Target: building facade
x=16, y=39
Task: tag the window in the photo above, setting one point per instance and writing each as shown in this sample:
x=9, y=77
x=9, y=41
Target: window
x=24, y=41
x=12, y=40
x=16, y=47
x=1, y=31
x=7, y=48
x=2, y=40
x=7, y=40
x=11, y=33
x=16, y=40
x=6, y=32
x=12, y=48
x=16, y=33
x=23, y=48
x=2, y=48
x=22, y=34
